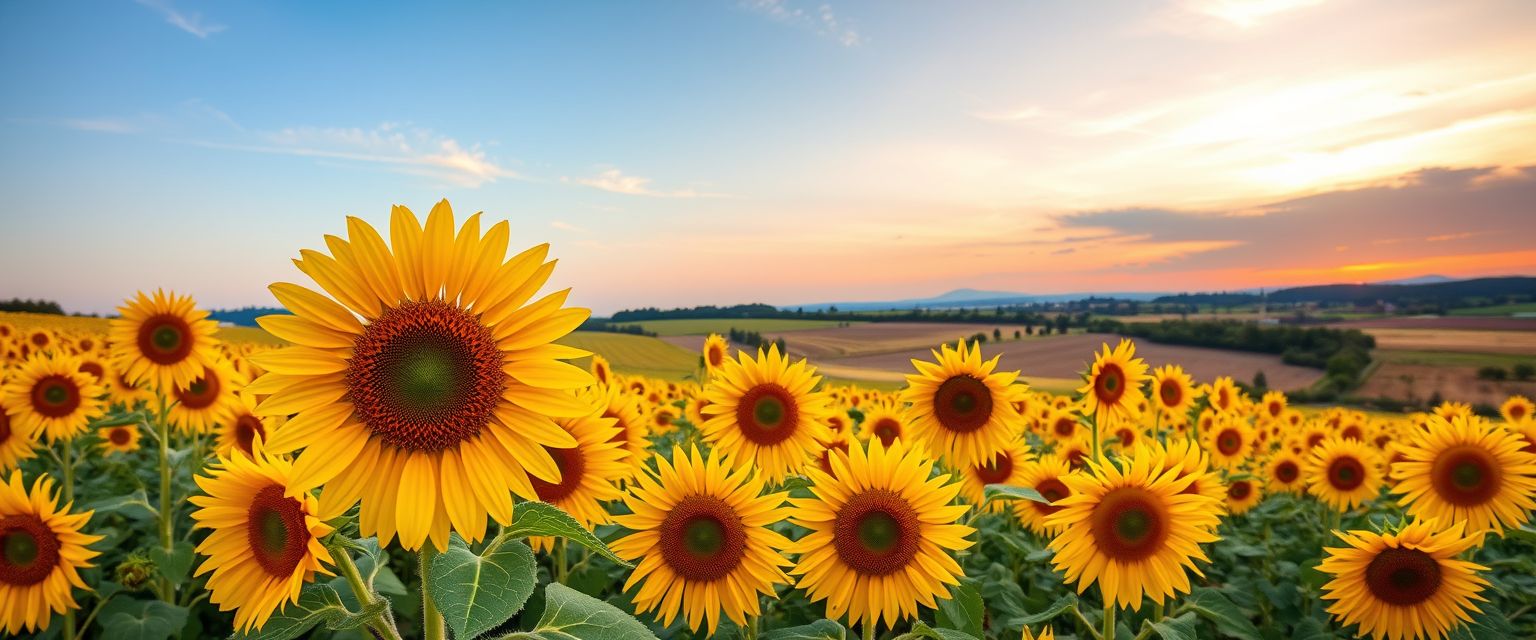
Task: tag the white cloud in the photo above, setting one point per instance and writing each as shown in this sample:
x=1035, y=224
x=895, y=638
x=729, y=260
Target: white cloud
x=405, y=149
x=618, y=182
x=192, y=23
x=822, y=20
x=566, y=226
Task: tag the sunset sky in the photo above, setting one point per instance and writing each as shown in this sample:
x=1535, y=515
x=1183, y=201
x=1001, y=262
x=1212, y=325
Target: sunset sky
x=773, y=150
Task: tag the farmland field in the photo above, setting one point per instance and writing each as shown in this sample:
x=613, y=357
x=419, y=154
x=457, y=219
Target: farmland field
x=639, y=355
x=1526, y=308
x=704, y=326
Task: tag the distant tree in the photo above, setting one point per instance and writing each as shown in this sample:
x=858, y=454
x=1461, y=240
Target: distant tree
x=1016, y=335
x=1062, y=322
x=1524, y=371
x=31, y=306
x=1029, y=329
x=997, y=335
x=1260, y=382
x=979, y=338
x=1492, y=373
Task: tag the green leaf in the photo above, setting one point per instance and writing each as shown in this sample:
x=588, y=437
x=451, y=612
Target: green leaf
x=1213, y=605
x=141, y=619
x=372, y=565
x=1009, y=492
x=963, y=609
x=543, y=519
x=132, y=417
x=134, y=505
x=1488, y=625
x=818, y=630
x=1060, y=606
x=1180, y=628
x=478, y=592
x=174, y=566
x=572, y=615
x=318, y=604
x=921, y=630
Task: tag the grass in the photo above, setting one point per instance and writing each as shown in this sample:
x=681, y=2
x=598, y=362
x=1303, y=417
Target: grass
x=1496, y=310
x=702, y=326
x=635, y=354
x=1452, y=358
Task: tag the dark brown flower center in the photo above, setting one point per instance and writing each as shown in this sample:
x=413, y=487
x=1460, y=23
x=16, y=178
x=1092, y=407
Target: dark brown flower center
x=55, y=396
x=276, y=532
x=29, y=550
x=1403, y=577
x=876, y=532
x=572, y=465
x=1051, y=489
x=247, y=427
x=202, y=392
x=1110, y=384
x=1239, y=490
x=962, y=404
x=1229, y=442
x=119, y=436
x=767, y=414
x=1129, y=524
x=887, y=430
x=1466, y=475
x=1171, y=392
x=702, y=539
x=997, y=470
x=1287, y=472
x=94, y=369
x=165, y=339
x=1346, y=473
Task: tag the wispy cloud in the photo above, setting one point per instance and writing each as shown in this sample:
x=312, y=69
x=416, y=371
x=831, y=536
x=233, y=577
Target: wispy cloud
x=822, y=20
x=402, y=148
x=192, y=23
x=98, y=125
x=566, y=226
x=617, y=181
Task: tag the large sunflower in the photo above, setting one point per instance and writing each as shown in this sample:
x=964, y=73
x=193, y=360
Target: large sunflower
x=49, y=397
x=201, y=402
x=427, y=391
x=1112, y=387
x=1044, y=475
x=881, y=529
x=1005, y=467
x=1173, y=391
x=716, y=351
x=1223, y=394
x=961, y=407
x=43, y=552
x=1283, y=471
x=1408, y=584
x=264, y=542
x=588, y=472
x=763, y=413
x=702, y=540
x=1467, y=470
x=1130, y=526
x=162, y=340
x=883, y=421
x=1343, y=473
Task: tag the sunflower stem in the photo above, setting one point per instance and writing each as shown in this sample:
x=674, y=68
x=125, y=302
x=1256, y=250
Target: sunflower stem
x=562, y=570
x=431, y=618
x=167, y=522
x=381, y=624
x=67, y=461
x=1109, y=622
x=869, y=629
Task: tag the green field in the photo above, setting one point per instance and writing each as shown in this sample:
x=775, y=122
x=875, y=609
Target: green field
x=1496, y=310
x=702, y=326
x=635, y=354
x=1451, y=358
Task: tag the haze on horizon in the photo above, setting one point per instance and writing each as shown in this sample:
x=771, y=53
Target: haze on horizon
x=774, y=151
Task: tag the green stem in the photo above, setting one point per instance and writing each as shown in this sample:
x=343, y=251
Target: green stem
x=869, y=628
x=1109, y=622
x=750, y=631
x=431, y=618
x=1083, y=622
x=100, y=602
x=167, y=519
x=562, y=570
x=1157, y=611
x=381, y=624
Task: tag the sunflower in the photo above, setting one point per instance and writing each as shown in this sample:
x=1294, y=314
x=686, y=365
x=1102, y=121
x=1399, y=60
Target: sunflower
x=1451, y=409
x=94, y=366
x=162, y=341
x=1112, y=387
x=1046, y=633
x=587, y=472
x=1283, y=472
x=702, y=540
x=1131, y=528
x=436, y=405
x=122, y=438
x=200, y=403
x=1527, y=432
x=716, y=351
x=1173, y=391
x=1467, y=471
x=1243, y=494
x=121, y=391
x=836, y=446
x=763, y=413
x=1061, y=425
x=1517, y=409
x=1343, y=473
x=961, y=407
x=1125, y=434
x=1005, y=467
x=265, y=541
x=880, y=532
x=240, y=425
x=1407, y=584
x=15, y=444
x=602, y=372
x=1044, y=475
x=883, y=421
x=1272, y=406
x=1224, y=395
x=1229, y=441
x=49, y=397
x=42, y=554
x=1313, y=433
x=630, y=429
x=1188, y=460
x=1076, y=452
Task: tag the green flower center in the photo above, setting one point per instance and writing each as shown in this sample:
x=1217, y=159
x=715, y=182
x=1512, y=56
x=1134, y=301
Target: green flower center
x=703, y=536
x=879, y=532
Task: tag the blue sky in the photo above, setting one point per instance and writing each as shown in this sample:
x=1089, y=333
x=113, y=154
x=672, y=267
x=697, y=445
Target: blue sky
x=719, y=152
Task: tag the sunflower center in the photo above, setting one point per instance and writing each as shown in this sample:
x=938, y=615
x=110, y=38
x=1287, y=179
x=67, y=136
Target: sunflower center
x=165, y=339
x=887, y=430
x=963, y=404
x=425, y=376
x=1170, y=392
x=1346, y=473
x=5, y=427
x=1129, y=524
x=1466, y=475
x=1239, y=490
x=716, y=356
x=1066, y=426
x=1517, y=413
x=828, y=452
x=1051, y=489
x=1287, y=472
x=876, y=532
x=571, y=464
x=1352, y=432
x=28, y=550
x=1403, y=577
x=702, y=539
x=997, y=470
x=275, y=531
x=93, y=369
x=247, y=427
x=767, y=414
x=202, y=393
x=1127, y=436
x=1229, y=442
x=1110, y=384
x=119, y=436
x=55, y=396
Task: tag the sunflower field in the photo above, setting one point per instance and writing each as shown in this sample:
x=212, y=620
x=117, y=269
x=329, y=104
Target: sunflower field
x=412, y=455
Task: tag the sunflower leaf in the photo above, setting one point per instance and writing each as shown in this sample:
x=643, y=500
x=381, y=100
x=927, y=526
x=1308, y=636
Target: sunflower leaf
x=478, y=592
x=134, y=505
x=922, y=630
x=1010, y=492
x=141, y=619
x=543, y=519
x=962, y=610
x=1060, y=606
x=572, y=615
x=175, y=564
x=1214, y=605
x=318, y=604
x=818, y=630
x=1180, y=628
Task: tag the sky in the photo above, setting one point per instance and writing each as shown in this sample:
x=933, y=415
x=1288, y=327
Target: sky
x=773, y=151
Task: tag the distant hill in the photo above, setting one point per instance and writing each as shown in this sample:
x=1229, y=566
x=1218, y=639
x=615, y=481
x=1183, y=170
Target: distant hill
x=966, y=299
x=1452, y=293
x=245, y=316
